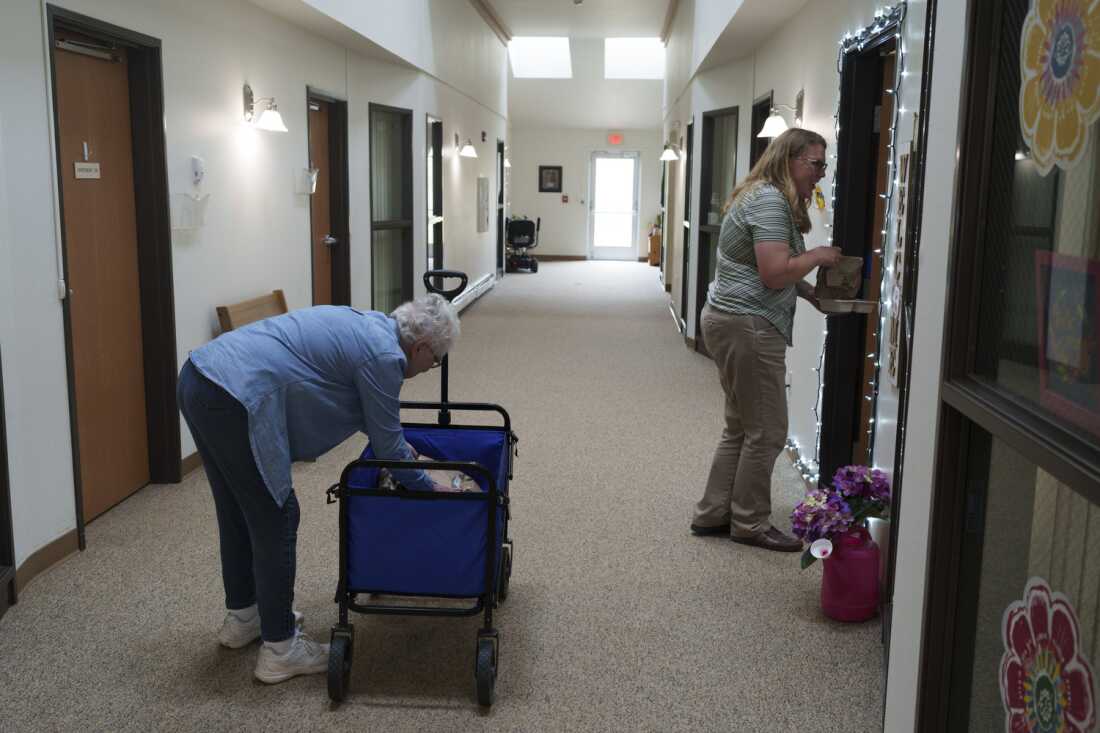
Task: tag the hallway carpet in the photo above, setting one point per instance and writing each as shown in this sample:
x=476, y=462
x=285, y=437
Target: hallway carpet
x=618, y=619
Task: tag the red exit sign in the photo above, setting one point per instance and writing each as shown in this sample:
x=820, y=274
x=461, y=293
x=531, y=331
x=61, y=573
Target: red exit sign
x=614, y=138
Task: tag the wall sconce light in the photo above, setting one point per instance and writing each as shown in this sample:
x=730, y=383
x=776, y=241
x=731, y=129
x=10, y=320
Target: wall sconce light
x=776, y=125
x=669, y=153
x=269, y=119
x=507, y=163
x=467, y=150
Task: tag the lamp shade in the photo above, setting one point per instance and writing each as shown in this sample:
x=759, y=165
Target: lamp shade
x=507, y=163
x=669, y=154
x=774, y=126
x=467, y=150
x=271, y=120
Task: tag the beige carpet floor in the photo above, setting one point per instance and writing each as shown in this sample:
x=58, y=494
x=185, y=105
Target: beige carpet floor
x=618, y=618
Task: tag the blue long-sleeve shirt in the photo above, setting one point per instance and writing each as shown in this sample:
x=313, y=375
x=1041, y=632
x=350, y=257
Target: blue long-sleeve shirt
x=309, y=379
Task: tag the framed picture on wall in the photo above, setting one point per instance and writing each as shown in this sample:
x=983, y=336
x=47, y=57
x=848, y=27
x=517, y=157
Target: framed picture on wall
x=549, y=179
x=1069, y=337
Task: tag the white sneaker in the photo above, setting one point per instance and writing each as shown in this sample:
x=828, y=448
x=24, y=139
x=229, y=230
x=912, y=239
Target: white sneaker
x=305, y=656
x=235, y=633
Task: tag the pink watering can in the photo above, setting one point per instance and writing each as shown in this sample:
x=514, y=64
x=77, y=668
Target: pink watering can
x=849, y=586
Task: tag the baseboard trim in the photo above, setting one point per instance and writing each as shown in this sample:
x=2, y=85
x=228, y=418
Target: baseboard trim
x=643, y=259
x=560, y=258
x=475, y=291
x=189, y=464
x=7, y=590
x=46, y=557
x=689, y=342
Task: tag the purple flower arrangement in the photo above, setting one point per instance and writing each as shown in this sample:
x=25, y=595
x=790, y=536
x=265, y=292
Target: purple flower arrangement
x=858, y=492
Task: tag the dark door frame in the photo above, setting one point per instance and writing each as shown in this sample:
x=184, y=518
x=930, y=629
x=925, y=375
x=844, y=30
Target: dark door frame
x=158, y=320
x=435, y=142
x=761, y=109
x=861, y=89
x=685, y=270
x=500, y=208
x=707, y=232
x=339, y=192
x=405, y=223
x=7, y=531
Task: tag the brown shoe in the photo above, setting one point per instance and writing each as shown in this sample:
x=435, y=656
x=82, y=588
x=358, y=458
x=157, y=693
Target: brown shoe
x=772, y=539
x=702, y=530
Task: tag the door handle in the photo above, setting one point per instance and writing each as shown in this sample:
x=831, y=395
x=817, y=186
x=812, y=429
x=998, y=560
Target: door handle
x=330, y=240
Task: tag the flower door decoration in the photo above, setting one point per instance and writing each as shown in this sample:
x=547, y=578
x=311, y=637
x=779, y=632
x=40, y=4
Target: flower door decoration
x=1046, y=682
x=1059, y=80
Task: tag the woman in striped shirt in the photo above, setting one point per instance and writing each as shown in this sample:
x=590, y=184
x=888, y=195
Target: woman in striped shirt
x=746, y=325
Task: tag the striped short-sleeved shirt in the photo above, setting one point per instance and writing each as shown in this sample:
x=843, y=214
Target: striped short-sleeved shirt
x=760, y=214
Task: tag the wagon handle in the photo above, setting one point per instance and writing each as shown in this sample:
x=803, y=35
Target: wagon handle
x=433, y=281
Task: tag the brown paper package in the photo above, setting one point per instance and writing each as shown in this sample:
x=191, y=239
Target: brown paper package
x=841, y=281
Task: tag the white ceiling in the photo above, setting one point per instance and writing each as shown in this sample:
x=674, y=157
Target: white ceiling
x=587, y=100
x=591, y=19
x=753, y=24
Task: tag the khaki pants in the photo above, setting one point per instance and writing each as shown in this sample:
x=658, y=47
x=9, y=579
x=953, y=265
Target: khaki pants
x=751, y=358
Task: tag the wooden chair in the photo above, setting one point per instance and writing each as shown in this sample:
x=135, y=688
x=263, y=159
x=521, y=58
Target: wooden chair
x=250, y=311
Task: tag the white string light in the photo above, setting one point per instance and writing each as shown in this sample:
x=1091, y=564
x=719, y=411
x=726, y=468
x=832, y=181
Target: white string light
x=885, y=18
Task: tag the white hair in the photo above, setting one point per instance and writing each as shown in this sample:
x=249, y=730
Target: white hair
x=430, y=317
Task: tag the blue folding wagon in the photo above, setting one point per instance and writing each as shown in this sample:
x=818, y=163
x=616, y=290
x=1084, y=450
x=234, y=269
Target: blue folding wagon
x=397, y=542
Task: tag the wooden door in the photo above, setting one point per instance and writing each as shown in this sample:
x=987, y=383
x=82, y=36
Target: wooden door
x=323, y=242
x=101, y=249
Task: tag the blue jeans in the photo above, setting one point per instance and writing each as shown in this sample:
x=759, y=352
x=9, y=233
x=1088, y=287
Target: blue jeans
x=257, y=536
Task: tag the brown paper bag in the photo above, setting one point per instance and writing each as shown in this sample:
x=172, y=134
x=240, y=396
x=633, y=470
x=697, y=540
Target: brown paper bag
x=841, y=281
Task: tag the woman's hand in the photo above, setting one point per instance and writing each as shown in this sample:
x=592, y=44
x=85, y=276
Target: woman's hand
x=826, y=256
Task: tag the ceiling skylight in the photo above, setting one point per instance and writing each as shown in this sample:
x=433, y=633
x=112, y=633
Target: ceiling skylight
x=633, y=58
x=540, y=58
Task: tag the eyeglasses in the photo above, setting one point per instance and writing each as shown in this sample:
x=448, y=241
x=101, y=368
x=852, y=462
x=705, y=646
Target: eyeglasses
x=819, y=165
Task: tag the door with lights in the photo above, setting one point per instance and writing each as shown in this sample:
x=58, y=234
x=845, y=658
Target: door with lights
x=865, y=162
x=613, y=206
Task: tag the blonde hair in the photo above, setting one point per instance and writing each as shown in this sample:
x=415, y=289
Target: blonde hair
x=774, y=167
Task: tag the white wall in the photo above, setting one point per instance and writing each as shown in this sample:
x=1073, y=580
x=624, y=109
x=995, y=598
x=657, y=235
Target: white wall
x=445, y=38
x=588, y=100
x=565, y=226
x=35, y=391
x=256, y=235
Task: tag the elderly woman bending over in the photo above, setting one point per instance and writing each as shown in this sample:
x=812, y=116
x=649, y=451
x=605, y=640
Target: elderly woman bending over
x=283, y=389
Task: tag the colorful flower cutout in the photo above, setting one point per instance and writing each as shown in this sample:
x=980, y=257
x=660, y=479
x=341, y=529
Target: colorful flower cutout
x=821, y=548
x=1046, y=683
x=1059, y=80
